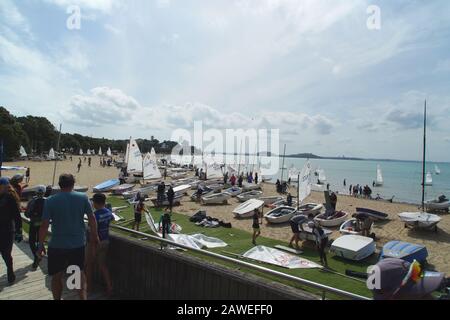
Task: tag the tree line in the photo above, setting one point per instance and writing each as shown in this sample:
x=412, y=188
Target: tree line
x=38, y=135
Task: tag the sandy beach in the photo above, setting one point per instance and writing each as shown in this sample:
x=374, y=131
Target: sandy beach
x=438, y=244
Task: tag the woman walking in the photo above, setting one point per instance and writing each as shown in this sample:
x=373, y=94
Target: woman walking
x=10, y=225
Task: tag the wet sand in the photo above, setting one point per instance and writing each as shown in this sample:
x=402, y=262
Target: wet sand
x=438, y=244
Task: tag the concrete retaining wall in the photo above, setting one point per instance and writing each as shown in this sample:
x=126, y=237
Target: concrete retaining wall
x=143, y=271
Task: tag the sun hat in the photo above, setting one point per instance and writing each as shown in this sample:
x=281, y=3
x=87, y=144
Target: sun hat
x=400, y=279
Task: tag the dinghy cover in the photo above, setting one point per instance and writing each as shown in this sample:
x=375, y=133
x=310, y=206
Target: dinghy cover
x=279, y=258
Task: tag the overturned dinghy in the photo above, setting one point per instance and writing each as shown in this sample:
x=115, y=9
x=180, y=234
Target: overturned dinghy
x=246, y=209
x=375, y=215
x=106, y=186
x=310, y=208
x=280, y=215
x=333, y=220
x=144, y=191
x=216, y=198
x=120, y=189
x=420, y=220
x=271, y=200
x=249, y=195
x=250, y=187
x=405, y=251
x=353, y=247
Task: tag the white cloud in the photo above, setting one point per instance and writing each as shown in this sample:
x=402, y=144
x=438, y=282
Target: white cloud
x=104, y=6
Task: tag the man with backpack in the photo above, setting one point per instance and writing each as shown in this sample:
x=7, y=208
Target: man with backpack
x=35, y=208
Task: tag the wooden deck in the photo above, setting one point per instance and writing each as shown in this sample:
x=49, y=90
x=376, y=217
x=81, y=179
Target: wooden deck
x=30, y=284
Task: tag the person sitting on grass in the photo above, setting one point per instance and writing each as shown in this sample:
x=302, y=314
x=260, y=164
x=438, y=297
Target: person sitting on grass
x=96, y=255
x=139, y=208
x=256, y=225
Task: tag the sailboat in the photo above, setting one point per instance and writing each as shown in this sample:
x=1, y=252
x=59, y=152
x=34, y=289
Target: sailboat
x=437, y=170
x=81, y=152
x=51, y=154
x=429, y=179
x=100, y=153
x=379, y=181
x=23, y=153
x=109, y=153
x=150, y=168
x=88, y=152
x=293, y=173
x=134, y=160
x=422, y=220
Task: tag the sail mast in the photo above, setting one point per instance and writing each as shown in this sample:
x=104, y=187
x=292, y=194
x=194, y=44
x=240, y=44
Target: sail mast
x=282, y=167
x=424, y=152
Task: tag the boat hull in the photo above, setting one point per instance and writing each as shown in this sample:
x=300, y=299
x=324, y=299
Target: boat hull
x=331, y=222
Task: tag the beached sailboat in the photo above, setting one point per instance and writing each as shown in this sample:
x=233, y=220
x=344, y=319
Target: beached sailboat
x=81, y=152
x=422, y=219
x=437, y=170
x=100, y=153
x=150, y=168
x=22, y=152
x=88, y=152
x=109, y=153
x=134, y=160
x=51, y=154
x=379, y=181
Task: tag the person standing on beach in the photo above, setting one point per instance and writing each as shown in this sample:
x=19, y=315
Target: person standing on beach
x=96, y=256
x=256, y=177
x=27, y=175
x=333, y=200
x=35, y=209
x=289, y=200
x=165, y=173
x=321, y=241
x=89, y=161
x=79, y=166
x=66, y=211
x=350, y=190
x=256, y=226
x=160, y=194
x=240, y=180
x=233, y=180
x=139, y=209
x=10, y=225
x=345, y=182
x=170, y=198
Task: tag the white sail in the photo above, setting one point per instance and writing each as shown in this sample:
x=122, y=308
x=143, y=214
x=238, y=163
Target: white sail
x=100, y=151
x=379, y=181
x=81, y=152
x=109, y=153
x=51, y=154
x=436, y=169
x=293, y=173
x=214, y=171
x=22, y=152
x=88, y=152
x=322, y=176
x=92, y=152
x=304, y=185
x=428, y=179
x=153, y=154
x=150, y=167
x=134, y=163
x=127, y=152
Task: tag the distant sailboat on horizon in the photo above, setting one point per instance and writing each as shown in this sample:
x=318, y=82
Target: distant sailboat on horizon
x=379, y=181
x=437, y=170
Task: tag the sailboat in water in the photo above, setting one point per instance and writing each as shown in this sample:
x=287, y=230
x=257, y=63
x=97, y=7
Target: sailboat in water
x=429, y=179
x=437, y=170
x=379, y=181
x=422, y=219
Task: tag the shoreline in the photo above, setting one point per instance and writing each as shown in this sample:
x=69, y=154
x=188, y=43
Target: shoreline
x=438, y=244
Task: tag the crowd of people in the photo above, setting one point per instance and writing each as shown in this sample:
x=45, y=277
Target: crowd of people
x=70, y=242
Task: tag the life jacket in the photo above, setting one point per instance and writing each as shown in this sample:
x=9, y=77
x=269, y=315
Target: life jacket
x=37, y=210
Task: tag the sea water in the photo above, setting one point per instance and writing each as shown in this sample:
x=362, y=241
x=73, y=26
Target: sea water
x=402, y=179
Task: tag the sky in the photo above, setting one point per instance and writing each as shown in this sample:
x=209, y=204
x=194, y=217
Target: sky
x=311, y=68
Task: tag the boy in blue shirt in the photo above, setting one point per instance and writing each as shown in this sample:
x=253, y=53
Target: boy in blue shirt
x=97, y=255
